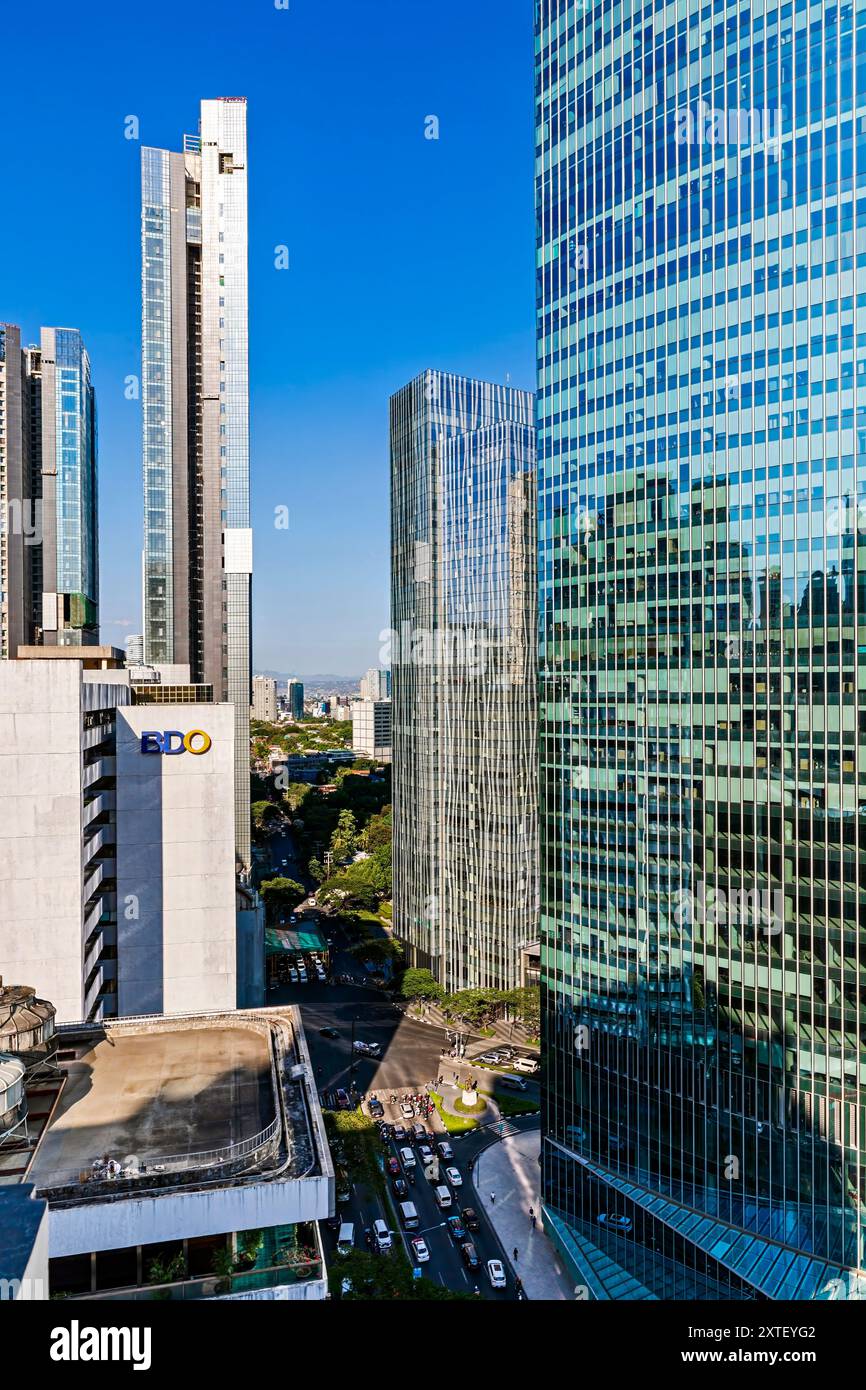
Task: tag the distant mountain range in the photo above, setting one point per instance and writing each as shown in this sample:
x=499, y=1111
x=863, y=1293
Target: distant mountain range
x=327, y=684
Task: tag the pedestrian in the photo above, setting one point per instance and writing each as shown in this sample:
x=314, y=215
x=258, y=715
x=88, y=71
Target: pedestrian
x=515, y=1252
x=533, y=1221
x=493, y=1199
x=531, y=1213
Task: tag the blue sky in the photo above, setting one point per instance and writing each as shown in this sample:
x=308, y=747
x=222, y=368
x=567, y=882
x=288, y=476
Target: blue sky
x=405, y=253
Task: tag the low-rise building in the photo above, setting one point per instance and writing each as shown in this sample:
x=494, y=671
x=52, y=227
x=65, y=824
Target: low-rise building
x=179, y=1158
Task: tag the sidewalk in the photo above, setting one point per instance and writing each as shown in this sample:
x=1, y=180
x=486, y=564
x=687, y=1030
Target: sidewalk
x=517, y=1033
x=510, y=1169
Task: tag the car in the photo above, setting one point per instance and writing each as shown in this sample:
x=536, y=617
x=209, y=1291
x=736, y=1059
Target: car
x=321, y=976
x=284, y=861
x=314, y=902
x=386, y=1130
x=302, y=975
x=490, y=1059
x=381, y=1235
x=407, y=1110
x=399, y=1134
x=408, y=1158
x=425, y=1153
x=454, y=1176
x=443, y=1197
x=293, y=918
x=328, y=1033
x=374, y=1050
x=470, y=1218
x=617, y=1223
x=345, y=1287
x=526, y=1064
x=470, y=1255
x=359, y=1046
x=342, y=1100
x=445, y=1149
x=419, y=1247
x=376, y=1108
x=496, y=1274
x=293, y=976
x=456, y=1228
x=394, y=1167
x=400, y=1188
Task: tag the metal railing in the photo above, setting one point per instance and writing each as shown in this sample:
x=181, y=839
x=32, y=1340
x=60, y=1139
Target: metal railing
x=217, y=1286
x=134, y=1168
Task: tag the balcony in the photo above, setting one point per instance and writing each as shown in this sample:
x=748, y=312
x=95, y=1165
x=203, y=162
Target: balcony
x=253, y=1284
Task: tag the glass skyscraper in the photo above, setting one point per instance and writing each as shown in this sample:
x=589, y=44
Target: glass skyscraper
x=49, y=551
x=195, y=408
x=462, y=658
x=702, y=607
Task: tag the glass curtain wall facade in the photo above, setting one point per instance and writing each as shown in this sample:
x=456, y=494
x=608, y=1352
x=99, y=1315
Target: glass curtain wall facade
x=195, y=416
x=702, y=460
x=462, y=657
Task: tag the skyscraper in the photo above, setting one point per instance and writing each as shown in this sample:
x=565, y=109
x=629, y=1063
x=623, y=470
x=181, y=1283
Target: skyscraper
x=195, y=399
x=49, y=560
x=296, y=699
x=462, y=657
x=702, y=449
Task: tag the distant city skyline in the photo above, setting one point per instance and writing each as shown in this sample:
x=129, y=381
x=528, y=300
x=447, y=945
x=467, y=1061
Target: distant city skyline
x=436, y=292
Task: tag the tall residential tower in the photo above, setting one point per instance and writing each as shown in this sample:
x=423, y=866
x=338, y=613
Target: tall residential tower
x=702, y=461
x=463, y=677
x=195, y=397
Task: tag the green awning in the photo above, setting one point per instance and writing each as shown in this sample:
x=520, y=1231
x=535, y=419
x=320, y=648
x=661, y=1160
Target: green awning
x=294, y=939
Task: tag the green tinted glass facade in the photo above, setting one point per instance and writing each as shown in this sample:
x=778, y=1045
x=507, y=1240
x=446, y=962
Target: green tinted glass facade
x=702, y=481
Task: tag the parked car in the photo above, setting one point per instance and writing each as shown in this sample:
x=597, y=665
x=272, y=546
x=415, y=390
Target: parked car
x=526, y=1064
x=496, y=1274
x=293, y=976
x=617, y=1223
x=456, y=1228
x=408, y=1158
x=419, y=1247
x=342, y=1100
x=425, y=1153
x=400, y=1188
x=454, y=1176
x=328, y=1033
x=393, y=1167
x=407, y=1110
x=445, y=1149
x=490, y=1059
x=470, y=1218
x=470, y=1255
x=376, y=1108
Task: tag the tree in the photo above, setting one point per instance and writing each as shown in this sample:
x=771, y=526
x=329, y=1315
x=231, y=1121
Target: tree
x=295, y=795
x=378, y=950
x=525, y=1004
x=281, y=895
x=265, y=814
x=371, y=1278
x=420, y=984
x=344, y=838
x=316, y=870
x=474, y=1007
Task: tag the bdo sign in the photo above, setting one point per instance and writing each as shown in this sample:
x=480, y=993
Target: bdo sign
x=173, y=741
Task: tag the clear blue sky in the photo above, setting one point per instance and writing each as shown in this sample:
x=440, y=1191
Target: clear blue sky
x=405, y=253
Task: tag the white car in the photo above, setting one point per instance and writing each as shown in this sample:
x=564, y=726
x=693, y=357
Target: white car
x=425, y=1153
x=293, y=976
x=407, y=1111
x=381, y=1235
x=407, y=1158
x=496, y=1274
x=302, y=976
x=453, y=1176
x=445, y=1149
x=610, y=1218
x=419, y=1246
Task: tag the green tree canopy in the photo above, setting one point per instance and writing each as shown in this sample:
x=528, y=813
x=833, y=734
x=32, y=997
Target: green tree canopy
x=420, y=984
x=281, y=895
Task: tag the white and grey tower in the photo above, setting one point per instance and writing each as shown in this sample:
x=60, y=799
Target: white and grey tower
x=195, y=399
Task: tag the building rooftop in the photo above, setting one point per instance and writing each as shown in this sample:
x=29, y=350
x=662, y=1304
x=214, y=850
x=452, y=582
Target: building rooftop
x=92, y=658
x=157, y=1096
x=164, y=1102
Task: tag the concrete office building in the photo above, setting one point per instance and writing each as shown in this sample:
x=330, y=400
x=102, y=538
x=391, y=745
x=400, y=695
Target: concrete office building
x=264, y=706
x=195, y=405
x=178, y=1158
x=702, y=463
x=117, y=860
x=371, y=728
x=135, y=649
x=49, y=563
x=463, y=677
